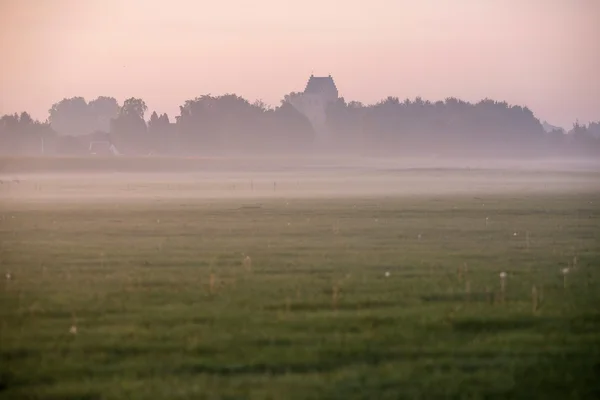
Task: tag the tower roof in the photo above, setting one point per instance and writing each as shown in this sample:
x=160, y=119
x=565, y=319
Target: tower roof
x=320, y=84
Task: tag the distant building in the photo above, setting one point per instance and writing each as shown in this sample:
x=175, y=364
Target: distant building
x=551, y=128
x=322, y=88
x=594, y=129
x=313, y=102
x=104, y=148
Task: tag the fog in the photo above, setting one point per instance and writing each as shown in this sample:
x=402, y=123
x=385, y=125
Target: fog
x=308, y=178
x=243, y=198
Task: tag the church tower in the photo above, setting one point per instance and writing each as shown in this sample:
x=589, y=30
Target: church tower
x=319, y=93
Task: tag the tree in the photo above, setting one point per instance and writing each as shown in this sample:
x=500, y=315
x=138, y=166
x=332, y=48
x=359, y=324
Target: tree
x=231, y=124
x=164, y=119
x=159, y=132
x=71, y=117
x=76, y=117
x=25, y=119
x=289, y=98
x=21, y=134
x=103, y=110
x=153, y=120
x=594, y=129
x=9, y=122
x=133, y=107
x=128, y=130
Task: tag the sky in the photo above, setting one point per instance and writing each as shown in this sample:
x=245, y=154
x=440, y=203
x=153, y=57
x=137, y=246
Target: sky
x=544, y=54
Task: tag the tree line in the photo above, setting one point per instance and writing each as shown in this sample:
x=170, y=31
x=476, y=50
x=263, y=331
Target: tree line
x=230, y=124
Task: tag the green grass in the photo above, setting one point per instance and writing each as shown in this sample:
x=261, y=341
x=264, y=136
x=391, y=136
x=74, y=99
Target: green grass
x=135, y=280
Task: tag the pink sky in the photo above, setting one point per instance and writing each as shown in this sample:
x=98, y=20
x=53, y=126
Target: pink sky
x=541, y=53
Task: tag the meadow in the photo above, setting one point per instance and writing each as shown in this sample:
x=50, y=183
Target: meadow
x=168, y=289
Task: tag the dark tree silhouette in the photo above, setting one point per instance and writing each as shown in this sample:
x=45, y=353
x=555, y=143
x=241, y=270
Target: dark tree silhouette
x=128, y=130
x=452, y=127
x=103, y=109
x=160, y=134
x=71, y=117
x=76, y=117
x=20, y=134
x=229, y=124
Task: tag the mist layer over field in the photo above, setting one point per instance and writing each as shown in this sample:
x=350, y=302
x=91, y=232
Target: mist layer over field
x=172, y=178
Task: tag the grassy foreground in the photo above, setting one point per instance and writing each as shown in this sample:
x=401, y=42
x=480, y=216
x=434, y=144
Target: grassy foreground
x=155, y=301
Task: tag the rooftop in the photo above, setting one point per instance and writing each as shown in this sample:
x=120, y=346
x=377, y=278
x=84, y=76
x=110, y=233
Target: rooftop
x=320, y=84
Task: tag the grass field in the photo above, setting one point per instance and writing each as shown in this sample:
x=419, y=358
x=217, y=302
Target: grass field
x=298, y=297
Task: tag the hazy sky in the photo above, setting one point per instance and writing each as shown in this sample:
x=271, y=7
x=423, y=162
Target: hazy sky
x=541, y=53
